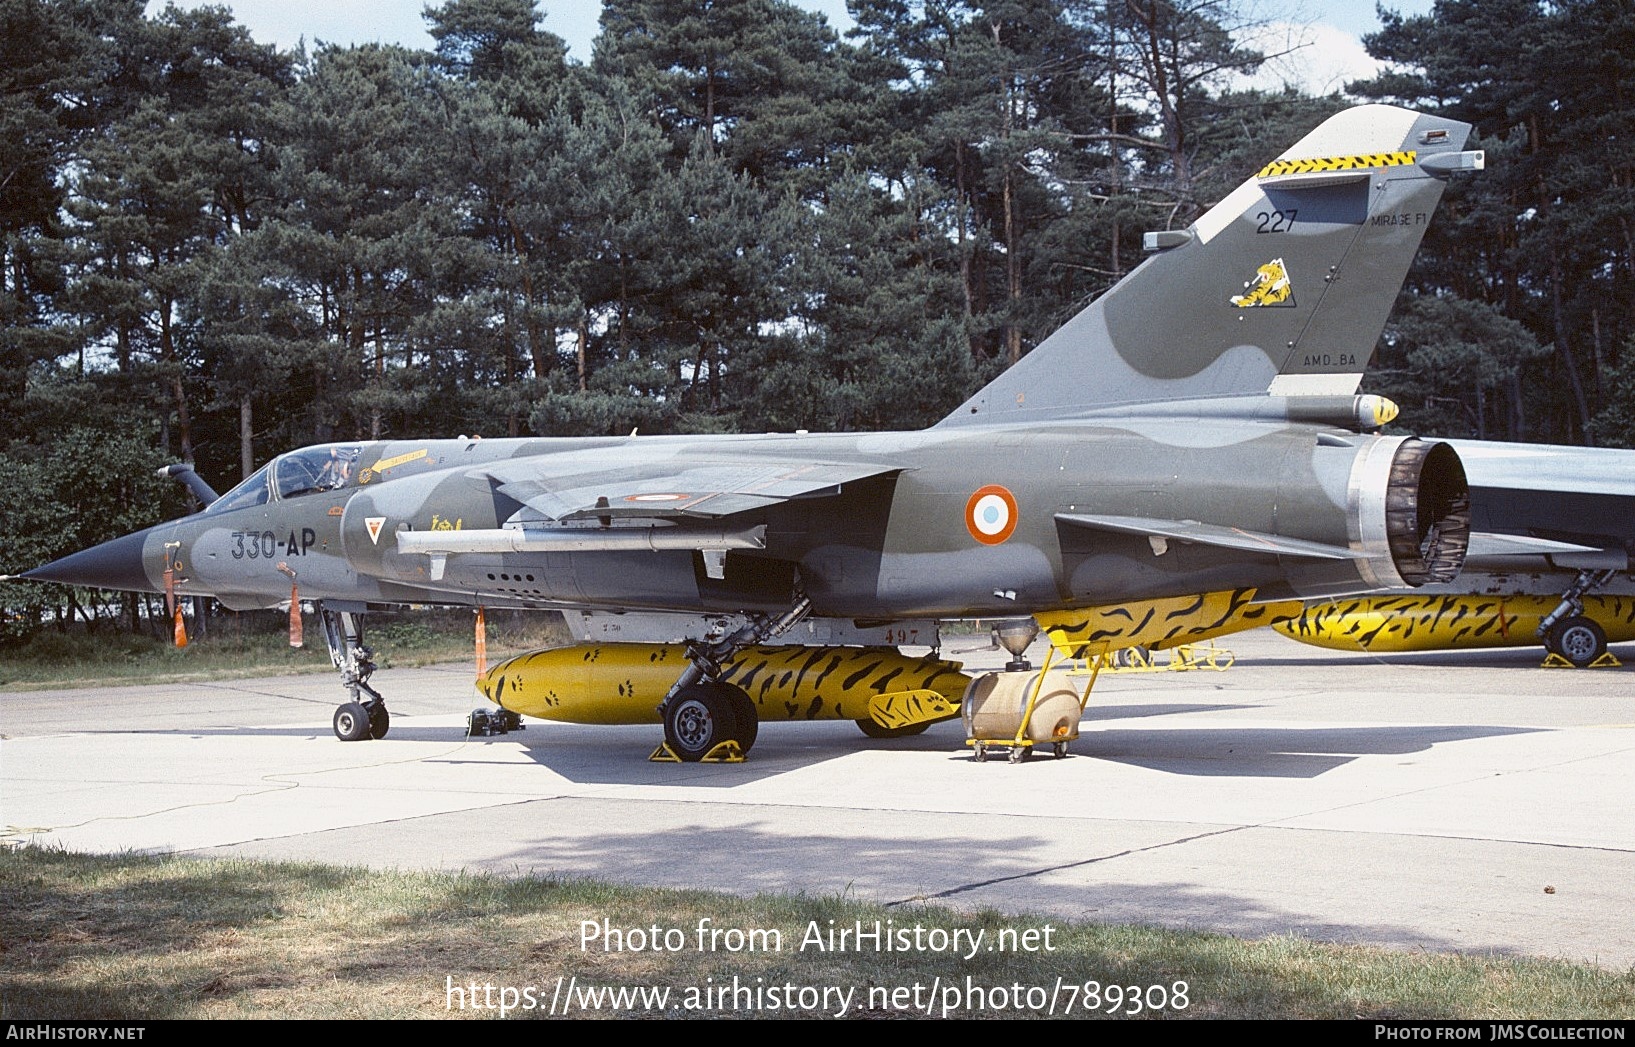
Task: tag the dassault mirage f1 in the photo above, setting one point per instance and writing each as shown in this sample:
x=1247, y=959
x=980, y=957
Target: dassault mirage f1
x=1196, y=430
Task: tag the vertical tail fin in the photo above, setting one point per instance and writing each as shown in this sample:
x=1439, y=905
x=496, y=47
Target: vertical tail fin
x=1282, y=288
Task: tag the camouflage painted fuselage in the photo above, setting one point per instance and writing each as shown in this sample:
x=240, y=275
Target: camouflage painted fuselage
x=904, y=543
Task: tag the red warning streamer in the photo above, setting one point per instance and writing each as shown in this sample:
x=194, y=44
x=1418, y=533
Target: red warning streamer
x=295, y=616
x=295, y=605
x=174, y=606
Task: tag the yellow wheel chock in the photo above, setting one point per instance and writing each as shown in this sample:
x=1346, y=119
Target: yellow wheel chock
x=724, y=752
x=1555, y=661
x=1181, y=658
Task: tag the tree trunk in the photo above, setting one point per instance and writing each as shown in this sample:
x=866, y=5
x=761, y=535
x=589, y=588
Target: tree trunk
x=1013, y=276
x=246, y=430
x=167, y=352
x=1569, y=359
x=709, y=103
x=584, y=348
x=1013, y=246
x=380, y=381
x=962, y=242
x=530, y=311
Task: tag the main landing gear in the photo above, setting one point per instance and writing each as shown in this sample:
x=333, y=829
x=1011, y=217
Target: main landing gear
x=1577, y=639
x=706, y=713
x=365, y=716
x=1567, y=633
x=705, y=718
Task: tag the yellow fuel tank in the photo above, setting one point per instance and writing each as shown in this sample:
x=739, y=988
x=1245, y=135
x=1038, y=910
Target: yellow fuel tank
x=1160, y=624
x=623, y=683
x=1439, y=623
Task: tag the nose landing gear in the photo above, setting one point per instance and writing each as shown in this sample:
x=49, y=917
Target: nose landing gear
x=365, y=716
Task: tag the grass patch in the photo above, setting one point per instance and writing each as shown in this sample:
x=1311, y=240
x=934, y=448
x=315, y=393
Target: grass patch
x=150, y=938
x=234, y=646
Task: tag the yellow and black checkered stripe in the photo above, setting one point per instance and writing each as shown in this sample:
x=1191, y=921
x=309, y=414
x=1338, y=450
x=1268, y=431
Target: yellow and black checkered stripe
x=1358, y=162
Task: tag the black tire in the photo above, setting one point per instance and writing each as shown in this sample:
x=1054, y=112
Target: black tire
x=743, y=710
x=1578, y=640
x=697, y=720
x=874, y=730
x=351, y=722
x=979, y=752
x=380, y=721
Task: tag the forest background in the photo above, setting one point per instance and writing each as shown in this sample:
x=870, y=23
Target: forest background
x=728, y=219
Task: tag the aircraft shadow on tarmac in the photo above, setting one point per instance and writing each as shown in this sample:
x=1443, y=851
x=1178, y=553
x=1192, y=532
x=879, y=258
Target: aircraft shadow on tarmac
x=600, y=755
x=591, y=755
x=1131, y=712
x=617, y=756
x=596, y=755
x=1270, y=752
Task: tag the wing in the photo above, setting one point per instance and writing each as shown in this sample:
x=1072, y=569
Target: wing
x=1575, y=505
x=1211, y=534
x=670, y=488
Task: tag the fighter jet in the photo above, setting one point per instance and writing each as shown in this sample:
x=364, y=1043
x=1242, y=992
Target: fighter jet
x=1196, y=430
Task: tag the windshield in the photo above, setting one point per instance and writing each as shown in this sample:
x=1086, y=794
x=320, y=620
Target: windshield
x=252, y=491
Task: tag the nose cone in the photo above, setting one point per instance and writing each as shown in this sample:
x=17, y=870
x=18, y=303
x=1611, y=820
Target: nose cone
x=111, y=565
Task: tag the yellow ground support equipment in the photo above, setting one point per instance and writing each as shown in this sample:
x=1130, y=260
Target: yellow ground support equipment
x=1020, y=709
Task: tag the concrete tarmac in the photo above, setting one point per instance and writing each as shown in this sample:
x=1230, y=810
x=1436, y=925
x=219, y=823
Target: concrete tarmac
x=1458, y=801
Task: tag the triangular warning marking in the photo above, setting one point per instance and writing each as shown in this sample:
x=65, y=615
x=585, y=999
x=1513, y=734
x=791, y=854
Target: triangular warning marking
x=374, y=523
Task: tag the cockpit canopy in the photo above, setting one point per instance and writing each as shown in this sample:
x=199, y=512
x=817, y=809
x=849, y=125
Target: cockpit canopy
x=326, y=467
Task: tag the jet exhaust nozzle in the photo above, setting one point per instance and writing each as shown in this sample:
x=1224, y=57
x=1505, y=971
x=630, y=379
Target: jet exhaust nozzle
x=1427, y=513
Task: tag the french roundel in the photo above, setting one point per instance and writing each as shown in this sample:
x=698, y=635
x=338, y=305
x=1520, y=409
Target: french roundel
x=990, y=515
